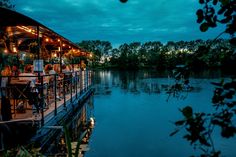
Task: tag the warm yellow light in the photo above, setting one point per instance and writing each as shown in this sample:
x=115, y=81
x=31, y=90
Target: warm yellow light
x=59, y=48
x=27, y=29
x=14, y=49
x=5, y=51
x=55, y=55
x=63, y=45
x=91, y=55
x=58, y=40
x=47, y=40
x=19, y=42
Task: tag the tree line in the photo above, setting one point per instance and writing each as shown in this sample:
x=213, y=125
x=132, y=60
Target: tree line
x=197, y=54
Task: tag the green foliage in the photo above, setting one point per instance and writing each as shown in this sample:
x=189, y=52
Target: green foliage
x=68, y=143
x=156, y=55
x=181, y=86
x=187, y=112
x=68, y=140
x=218, y=12
x=200, y=126
x=98, y=48
x=22, y=152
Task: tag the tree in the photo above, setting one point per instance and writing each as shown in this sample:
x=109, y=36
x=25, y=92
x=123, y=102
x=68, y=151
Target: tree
x=218, y=12
x=200, y=126
x=99, y=49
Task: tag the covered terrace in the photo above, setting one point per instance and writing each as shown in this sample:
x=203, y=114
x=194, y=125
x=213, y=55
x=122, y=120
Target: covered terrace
x=40, y=69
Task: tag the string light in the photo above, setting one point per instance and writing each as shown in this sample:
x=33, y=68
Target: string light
x=14, y=49
x=27, y=29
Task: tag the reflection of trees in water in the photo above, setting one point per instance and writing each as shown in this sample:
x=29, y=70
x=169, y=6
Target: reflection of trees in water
x=102, y=83
x=150, y=87
x=135, y=82
x=79, y=126
x=129, y=81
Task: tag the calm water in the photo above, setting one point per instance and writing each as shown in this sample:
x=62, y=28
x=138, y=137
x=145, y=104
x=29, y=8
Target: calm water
x=134, y=118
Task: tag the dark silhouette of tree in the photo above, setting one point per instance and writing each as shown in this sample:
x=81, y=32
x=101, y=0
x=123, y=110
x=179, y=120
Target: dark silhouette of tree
x=218, y=12
x=195, y=54
x=123, y=1
x=200, y=126
x=99, y=49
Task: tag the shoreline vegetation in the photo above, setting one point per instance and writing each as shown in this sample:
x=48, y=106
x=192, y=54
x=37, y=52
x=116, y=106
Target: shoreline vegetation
x=197, y=55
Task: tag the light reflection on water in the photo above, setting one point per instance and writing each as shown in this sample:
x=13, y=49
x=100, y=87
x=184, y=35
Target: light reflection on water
x=133, y=117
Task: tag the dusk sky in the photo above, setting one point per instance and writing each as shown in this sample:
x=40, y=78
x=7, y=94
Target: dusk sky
x=136, y=20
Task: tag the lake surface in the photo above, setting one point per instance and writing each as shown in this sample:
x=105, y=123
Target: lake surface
x=134, y=118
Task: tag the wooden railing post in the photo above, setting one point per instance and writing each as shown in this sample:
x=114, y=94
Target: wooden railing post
x=76, y=85
x=70, y=83
x=81, y=82
x=64, y=91
x=55, y=93
x=42, y=100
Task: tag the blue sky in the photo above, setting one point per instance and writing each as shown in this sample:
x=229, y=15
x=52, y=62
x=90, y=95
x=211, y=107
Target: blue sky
x=136, y=20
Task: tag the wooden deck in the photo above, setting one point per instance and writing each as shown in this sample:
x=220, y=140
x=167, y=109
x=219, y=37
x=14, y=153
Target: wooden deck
x=40, y=129
x=66, y=93
x=29, y=115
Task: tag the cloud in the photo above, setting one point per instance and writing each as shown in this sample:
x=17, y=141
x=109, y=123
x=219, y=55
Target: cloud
x=28, y=9
x=135, y=29
x=139, y=20
x=160, y=30
x=180, y=30
x=106, y=25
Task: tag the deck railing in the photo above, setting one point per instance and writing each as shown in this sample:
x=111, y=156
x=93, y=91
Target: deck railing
x=33, y=97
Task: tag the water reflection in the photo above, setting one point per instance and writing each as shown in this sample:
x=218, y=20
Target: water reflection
x=135, y=119
x=134, y=82
x=79, y=127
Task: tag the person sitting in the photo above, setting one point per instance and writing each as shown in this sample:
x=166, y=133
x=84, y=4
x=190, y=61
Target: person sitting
x=47, y=68
x=51, y=70
x=52, y=74
x=26, y=75
x=64, y=69
x=56, y=68
x=5, y=107
x=66, y=74
x=5, y=73
x=15, y=71
x=33, y=94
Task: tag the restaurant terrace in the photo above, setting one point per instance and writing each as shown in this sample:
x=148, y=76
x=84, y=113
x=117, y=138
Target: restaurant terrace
x=44, y=78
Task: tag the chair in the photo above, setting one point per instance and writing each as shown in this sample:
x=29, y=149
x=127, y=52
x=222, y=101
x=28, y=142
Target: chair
x=22, y=94
x=67, y=81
